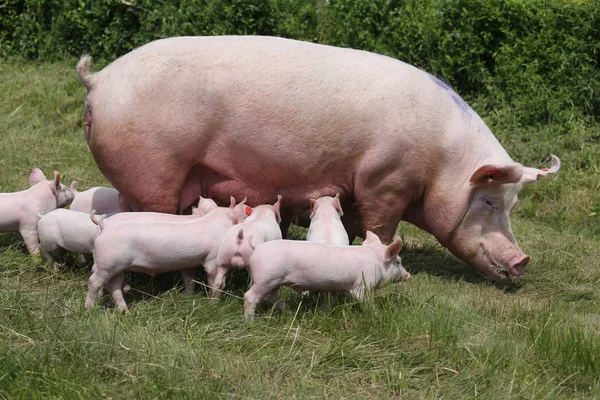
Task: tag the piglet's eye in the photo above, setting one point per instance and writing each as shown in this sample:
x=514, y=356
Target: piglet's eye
x=488, y=203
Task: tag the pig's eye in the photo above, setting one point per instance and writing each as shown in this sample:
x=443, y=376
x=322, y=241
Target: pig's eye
x=488, y=203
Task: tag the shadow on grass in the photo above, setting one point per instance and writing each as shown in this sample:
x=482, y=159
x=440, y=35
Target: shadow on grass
x=12, y=241
x=431, y=260
x=437, y=261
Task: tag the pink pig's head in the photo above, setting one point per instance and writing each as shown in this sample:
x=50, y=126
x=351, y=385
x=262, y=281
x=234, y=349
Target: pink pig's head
x=326, y=204
x=205, y=205
x=483, y=237
x=238, y=212
x=62, y=193
x=392, y=269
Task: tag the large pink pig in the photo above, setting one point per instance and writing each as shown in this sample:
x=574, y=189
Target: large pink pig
x=21, y=211
x=257, y=116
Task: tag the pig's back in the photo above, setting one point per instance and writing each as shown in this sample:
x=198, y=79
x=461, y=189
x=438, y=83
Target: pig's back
x=332, y=103
x=10, y=204
x=310, y=266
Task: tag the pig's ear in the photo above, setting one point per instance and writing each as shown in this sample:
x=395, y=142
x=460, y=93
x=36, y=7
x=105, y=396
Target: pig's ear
x=532, y=174
x=371, y=238
x=194, y=210
x=244, y=201
x=497, y=174
x=36, y=176
x=232, y=201
x=337, y=205
x=73, y=187
x=56, y=183
x=277, y=208
x=393, y=249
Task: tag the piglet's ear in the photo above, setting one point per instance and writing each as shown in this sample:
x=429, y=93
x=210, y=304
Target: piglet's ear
x=36, y=176
x=232, y=201
x=393, y=249
x=371, y=238
x=56, y=185
x=337, y=205
x=277, y=208
x=497, y=174
x=73, y=187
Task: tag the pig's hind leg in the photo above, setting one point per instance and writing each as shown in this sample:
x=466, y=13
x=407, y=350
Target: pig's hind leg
x=97, y=280
x=114, y=286
x=187, y=276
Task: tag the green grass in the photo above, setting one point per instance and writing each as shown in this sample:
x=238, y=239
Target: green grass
x=447, y=333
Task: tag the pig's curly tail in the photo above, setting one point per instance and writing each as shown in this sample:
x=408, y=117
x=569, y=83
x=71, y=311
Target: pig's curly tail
x=83, y=71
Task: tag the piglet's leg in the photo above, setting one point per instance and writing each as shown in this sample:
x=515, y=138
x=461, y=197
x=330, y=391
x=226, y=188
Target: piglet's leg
x=188, y=275
x=273, y=298
x=115, y=284
x=219, y=282
x=358, y=292
x=251, y=299
x=95, y=283
x=30, y=236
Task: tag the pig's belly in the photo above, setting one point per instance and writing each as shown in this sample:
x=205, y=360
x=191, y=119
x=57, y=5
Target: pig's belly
x=205, y=182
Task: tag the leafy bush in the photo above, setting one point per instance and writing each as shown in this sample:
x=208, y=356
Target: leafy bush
x=538, y=59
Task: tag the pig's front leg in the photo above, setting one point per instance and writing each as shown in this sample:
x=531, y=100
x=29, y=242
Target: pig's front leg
x=188, y=275
x=30, y=236
x=251, y=299
x=358, y=292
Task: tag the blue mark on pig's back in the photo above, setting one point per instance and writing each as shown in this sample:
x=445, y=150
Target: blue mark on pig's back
x=464, y=108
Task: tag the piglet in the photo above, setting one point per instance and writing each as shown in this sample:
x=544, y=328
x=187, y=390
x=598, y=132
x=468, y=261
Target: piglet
x=153, y=247
x=320, y=267
x=241, y=240
x=325, y=222
x=66, y=230
x=205, y=205
x=21, y=211
x=104, y=200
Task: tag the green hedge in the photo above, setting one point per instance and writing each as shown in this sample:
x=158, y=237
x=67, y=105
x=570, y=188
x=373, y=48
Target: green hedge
x=539, y=57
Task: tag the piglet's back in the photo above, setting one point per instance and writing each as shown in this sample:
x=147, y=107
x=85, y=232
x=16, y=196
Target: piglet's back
x=313, y=263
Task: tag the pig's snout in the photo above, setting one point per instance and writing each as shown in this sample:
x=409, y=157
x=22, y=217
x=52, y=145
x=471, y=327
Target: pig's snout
x=517, y=265
x=405, y=276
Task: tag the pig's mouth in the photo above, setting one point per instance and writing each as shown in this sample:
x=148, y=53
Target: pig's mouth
x=494, y=269
x=498, y=271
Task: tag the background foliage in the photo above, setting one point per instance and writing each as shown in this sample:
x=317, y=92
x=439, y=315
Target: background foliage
x=540, y=53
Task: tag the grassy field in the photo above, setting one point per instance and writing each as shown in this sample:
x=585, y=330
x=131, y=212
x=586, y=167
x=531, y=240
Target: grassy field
x=447, y=333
